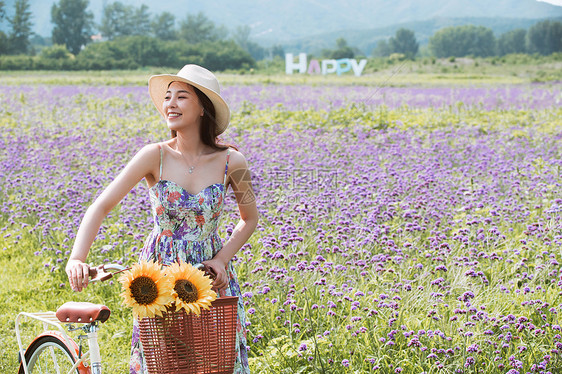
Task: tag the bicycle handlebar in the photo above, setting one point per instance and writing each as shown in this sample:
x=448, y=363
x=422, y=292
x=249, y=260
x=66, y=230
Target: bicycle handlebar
x=100, y=273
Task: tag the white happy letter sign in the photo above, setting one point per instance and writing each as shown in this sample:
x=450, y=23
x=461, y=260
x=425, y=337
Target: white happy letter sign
x=323, y=67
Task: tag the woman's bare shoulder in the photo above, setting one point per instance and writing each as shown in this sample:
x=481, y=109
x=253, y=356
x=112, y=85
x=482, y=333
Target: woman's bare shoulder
x=150, y=151
x=237, y=160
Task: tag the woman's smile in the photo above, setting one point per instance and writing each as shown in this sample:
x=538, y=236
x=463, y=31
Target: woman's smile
x=182, y=105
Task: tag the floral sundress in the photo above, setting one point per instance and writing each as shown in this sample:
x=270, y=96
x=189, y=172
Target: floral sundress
x=185, y=228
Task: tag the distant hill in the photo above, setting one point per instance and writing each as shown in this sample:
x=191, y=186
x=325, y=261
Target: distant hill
x=304, y=23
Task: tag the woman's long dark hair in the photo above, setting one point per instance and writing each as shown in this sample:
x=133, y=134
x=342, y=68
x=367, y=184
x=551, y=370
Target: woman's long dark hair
x=208, y=127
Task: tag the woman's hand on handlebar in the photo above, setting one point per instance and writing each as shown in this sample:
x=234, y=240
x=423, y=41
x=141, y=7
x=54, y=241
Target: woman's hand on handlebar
x=78, y=274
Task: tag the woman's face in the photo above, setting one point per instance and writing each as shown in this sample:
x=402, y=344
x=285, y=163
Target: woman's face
x=181, y=106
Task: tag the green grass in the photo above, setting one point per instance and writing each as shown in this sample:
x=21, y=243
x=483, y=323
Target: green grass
x=23, y=288
x=513, y=69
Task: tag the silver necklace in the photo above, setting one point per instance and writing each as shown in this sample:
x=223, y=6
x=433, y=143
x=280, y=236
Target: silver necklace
x=190, y=168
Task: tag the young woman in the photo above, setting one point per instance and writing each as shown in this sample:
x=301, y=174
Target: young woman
x=188, y=177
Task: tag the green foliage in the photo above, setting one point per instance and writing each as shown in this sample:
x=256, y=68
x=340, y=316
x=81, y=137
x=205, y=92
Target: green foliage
x=404, y=42
x=342, y=50
x=4, y=43
x=119, y=19
x=16, y=62
x=141, y=19
x=21, y=24
x=199, y=28
x=379, y=72
x=116, y=20
x=382, y=49
x=111, y=55
x=163, y=26
x=277, y=50
x=222, y=55
x=512, y=42
x=73, y=24
x=459, y=41
x=57, y=51
x=131, y=52
x=56, y=57
x=545, y=37
x=241, y=36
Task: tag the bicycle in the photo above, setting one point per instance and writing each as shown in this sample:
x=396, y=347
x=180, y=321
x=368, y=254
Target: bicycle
x=54, y=351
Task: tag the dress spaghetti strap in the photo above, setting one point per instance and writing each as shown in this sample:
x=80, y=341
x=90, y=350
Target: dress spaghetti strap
x=160, y=147
x=226, y=169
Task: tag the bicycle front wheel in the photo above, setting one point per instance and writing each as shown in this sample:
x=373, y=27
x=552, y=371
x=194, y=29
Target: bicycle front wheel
x=48, y=354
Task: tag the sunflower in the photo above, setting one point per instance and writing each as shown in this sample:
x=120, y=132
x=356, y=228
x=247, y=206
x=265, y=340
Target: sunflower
x=191, y=288
x=146, y=289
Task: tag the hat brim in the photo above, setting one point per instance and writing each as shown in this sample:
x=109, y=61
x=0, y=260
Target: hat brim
x=158, y=86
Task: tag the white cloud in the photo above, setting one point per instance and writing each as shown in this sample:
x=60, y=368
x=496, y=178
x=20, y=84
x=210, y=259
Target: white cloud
x=553, y=2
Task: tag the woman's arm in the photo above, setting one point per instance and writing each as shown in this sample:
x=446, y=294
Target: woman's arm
x=143, y=165
x=240, y=180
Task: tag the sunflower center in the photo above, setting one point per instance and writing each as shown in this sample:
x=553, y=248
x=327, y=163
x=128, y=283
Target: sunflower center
x=144, y=290
x=186, y=290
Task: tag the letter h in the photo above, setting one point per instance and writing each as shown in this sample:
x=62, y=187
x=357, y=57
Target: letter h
x=290, y=65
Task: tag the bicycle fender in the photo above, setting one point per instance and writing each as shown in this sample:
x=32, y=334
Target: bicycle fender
x=72, y=347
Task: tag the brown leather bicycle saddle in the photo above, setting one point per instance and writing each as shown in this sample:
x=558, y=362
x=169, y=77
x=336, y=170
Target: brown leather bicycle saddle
x=82, y=312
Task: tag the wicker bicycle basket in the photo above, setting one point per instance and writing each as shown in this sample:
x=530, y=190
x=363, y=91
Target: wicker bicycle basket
x=190, y=344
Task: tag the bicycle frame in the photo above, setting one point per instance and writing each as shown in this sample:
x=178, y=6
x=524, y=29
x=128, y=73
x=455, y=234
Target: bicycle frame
x=50, y=320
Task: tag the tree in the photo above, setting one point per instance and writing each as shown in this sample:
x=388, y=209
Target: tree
x=3, y=36
x=459, y=41
x=342, y=50
x=277, y=50
x=241, y=36
x=141, y=21
x=512, y=42
x=125, y=20
x=255, y=50
x=545, y=37
x=404, y=41
x=56, y=51
x=73, y=24
x=2, y=12
x=117, y=20
x=382, y=49
x=163, y=26
x=21, y=24
x=197, y=29
x=4, y=43
x=131, y=52
x=221, y=55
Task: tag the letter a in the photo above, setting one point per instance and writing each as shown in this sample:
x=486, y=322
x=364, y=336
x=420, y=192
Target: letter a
x=314, y=67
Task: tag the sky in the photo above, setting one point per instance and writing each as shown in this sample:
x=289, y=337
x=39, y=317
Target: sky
x=553, y=2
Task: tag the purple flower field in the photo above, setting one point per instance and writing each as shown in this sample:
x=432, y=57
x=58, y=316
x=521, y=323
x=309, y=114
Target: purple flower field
x=294, y=97
x=415, y=248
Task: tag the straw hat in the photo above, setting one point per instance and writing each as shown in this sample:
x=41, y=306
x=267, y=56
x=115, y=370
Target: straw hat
x=196, y=76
